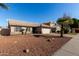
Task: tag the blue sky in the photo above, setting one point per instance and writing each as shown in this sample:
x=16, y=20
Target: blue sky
x=38, y=12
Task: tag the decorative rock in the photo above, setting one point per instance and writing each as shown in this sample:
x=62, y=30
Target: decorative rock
x=15, y=41
x=27, y=50
x=24, y=51
x=48, y=40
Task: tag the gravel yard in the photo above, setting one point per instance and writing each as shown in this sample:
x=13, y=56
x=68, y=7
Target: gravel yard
x=29, y=45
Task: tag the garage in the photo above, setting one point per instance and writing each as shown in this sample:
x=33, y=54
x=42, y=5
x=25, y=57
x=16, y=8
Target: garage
x=46, y=30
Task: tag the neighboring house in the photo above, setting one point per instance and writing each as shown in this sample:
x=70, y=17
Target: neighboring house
x=45, y=29
x=58, y=28
x=29, y=28
x=54, y=26
x=51, y=24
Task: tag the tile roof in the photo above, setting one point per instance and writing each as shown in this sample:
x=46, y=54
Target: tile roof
x=25, y=24
x=46, y=26
x=21, y=23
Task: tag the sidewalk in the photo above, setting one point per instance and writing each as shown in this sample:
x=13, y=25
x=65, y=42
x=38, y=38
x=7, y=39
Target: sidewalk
x=69, y=49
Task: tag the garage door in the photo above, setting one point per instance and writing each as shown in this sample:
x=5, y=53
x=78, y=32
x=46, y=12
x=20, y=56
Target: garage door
x=46, y=31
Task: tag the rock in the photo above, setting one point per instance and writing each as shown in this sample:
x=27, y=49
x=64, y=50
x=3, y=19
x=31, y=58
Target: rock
x=24, y=51
x=15, y=41
x=27, y=50
x=48, y=40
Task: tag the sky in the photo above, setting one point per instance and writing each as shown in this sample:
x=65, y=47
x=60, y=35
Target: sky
x=37, y=12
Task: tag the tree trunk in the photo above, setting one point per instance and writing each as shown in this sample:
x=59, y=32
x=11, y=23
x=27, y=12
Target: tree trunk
x=61, y=33
x=71, y=30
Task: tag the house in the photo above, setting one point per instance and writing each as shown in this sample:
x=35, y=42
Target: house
x=43, y=29
x=54, y=26
x=58, y=28
x=28, y=28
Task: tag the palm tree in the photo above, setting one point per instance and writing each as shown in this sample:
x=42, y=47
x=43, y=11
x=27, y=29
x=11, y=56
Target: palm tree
x=65, y=20
x=3, y=6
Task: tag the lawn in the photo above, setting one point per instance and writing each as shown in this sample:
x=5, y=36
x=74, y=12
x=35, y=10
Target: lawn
x=29, y=45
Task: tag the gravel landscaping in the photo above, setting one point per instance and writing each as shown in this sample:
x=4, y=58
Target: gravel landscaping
x=29, y=45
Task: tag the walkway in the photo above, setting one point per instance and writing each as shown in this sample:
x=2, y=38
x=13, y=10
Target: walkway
x=69, y=49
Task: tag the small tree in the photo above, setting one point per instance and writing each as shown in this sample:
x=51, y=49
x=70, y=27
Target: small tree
x=65, y=20
x=22, y=31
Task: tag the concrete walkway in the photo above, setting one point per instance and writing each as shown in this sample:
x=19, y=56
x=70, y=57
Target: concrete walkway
x=69, y=49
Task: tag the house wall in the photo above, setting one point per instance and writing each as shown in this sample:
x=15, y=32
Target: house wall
x=43, y=30
x=30, y=30
x=58, y=28
x=13, y=30
x=52, y=24
x=46, y=30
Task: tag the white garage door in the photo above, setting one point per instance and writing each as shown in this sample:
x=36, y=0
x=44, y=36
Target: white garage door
x=46, y=31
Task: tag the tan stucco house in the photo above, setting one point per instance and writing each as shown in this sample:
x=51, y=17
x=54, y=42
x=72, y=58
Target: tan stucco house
x=28, y=28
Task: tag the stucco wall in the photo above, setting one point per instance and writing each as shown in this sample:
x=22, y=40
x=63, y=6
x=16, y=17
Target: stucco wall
x=58, y=28
x=30, y=30
x=46, y=30
x=16, y=32
x=12, y=28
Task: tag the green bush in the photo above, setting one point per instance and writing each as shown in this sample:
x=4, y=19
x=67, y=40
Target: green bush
x=65, y=30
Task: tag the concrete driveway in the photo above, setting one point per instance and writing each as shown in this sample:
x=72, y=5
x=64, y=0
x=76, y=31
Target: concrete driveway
x=69, y=49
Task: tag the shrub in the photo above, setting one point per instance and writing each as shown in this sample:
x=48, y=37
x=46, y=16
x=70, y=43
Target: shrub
x=5, y=32
x=66, y=30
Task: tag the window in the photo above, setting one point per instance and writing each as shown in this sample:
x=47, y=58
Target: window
x=18, y=28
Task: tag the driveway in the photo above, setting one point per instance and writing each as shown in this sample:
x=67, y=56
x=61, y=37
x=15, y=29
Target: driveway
x=69, y=49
